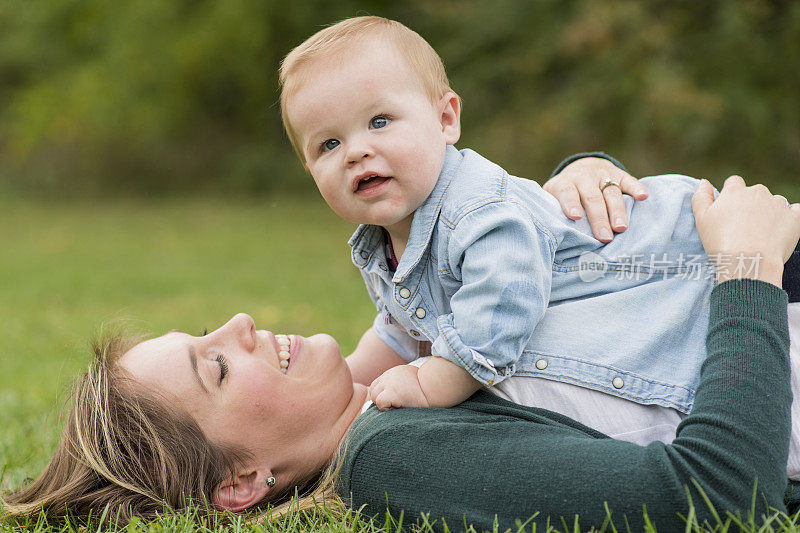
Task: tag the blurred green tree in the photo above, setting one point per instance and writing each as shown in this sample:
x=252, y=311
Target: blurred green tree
x=150, y=96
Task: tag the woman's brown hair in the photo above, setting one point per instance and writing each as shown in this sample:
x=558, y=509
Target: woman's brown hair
x=124, y=451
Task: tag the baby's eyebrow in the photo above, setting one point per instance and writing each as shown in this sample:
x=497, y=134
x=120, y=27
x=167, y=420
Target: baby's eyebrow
x=316, y=136
x=311, y=141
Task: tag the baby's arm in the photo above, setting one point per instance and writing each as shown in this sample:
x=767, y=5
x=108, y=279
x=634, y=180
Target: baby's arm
x=371, y=358
x=502, y=259
x=436, y=383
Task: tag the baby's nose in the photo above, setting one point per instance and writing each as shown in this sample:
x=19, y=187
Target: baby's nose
x=358, y=151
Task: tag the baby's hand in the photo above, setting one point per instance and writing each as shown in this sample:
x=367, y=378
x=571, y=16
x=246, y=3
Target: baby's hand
x=397, y=387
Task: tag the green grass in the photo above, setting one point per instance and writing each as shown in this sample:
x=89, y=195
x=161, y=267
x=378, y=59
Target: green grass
x=67, y=268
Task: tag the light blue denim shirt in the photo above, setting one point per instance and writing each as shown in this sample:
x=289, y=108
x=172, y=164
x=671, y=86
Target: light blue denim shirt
x=497, y=280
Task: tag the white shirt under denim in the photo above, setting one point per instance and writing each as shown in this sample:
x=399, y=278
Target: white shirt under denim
x=629, y=421
x=502, y=283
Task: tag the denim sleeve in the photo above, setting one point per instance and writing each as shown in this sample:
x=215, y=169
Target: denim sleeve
x=502, y=257
x=398, y=340
x=571, y=159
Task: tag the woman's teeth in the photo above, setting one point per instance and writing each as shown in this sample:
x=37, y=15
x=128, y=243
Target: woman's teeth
x=283, y=355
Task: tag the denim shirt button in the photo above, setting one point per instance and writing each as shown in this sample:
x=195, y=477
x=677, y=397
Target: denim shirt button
x=541, y=364
x=364, y=255
x=420, y=312
x=617, y=382
x=405, y=293
x=414, y=333
x=382, y=266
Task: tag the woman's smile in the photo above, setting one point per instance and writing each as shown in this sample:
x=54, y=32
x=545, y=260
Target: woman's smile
x=274, y=395
x=286, y=346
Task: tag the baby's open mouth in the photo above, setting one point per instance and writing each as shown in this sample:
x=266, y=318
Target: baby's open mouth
x=285, y=344
x=370, y=182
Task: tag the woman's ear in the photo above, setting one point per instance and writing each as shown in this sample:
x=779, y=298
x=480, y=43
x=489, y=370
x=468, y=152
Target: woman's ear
x=450, y=116
x=242, y=492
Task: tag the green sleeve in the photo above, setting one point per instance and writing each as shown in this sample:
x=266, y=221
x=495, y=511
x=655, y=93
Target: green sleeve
x=488, y=459
x=574, y=157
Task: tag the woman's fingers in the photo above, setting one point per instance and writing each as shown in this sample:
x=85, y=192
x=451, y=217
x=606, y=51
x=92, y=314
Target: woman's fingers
x=746, y=231
x=594, y=204
x=615, y=205
x=579, y=185
x=734, y=182
x=702, y=198
x=632, y=186
x=567, y=195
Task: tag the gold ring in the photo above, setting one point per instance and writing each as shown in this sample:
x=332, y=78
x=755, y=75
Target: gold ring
x=608, y=182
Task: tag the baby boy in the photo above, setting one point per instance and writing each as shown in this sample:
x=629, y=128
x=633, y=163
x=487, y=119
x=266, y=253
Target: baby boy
x=476, y=268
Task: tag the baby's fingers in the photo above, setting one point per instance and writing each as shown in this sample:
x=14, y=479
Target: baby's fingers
x=376, y=388
x=386, y=400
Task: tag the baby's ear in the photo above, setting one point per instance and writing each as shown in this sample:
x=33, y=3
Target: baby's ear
x=241, y=492
x=450, y=116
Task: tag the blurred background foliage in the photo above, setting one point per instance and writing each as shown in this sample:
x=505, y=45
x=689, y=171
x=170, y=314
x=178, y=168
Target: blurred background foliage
x=152, y=96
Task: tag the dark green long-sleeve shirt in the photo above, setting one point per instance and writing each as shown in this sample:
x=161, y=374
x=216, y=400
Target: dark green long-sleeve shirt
x=488, y=458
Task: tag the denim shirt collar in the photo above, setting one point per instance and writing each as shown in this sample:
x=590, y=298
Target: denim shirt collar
x=368, y=237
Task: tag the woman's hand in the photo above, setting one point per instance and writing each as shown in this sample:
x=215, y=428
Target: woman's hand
x=579, y=183
x=747, y=231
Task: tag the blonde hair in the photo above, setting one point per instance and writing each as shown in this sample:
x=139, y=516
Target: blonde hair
x=125, y=452
x=421, y=57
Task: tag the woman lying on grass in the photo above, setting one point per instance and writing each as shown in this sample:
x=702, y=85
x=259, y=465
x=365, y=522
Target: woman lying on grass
x=180, y=420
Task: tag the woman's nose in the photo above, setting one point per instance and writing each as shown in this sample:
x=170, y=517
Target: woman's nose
x=242, y=329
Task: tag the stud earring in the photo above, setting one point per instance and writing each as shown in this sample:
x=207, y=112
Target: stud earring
x=270, y=481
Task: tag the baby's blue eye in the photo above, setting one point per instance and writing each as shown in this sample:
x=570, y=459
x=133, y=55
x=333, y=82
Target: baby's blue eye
x=330, y=144
x=379, y=122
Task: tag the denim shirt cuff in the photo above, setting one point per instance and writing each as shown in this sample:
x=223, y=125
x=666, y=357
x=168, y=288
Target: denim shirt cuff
x=575, y=157
x=450, y=346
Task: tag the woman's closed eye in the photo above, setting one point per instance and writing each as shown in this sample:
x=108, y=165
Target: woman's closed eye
x=223, y=367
